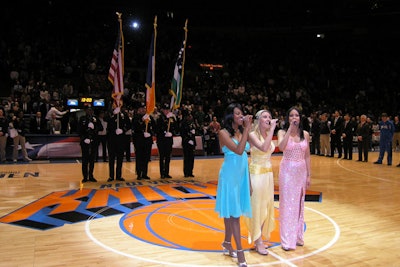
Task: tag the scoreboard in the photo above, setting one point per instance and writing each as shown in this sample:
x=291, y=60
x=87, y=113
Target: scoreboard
x=85, y=101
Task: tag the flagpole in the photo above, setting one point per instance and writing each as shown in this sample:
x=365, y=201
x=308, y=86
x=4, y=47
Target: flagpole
x=184, y=52
x=118, y=102
x=153, y=67
x=177, y=96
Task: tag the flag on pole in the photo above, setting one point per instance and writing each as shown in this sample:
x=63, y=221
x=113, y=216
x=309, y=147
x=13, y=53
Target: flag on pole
x=177, y=80
x=151, y=80
x=116, y=71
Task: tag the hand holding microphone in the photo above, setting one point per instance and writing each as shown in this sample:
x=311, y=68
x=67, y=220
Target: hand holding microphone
x=273, y=123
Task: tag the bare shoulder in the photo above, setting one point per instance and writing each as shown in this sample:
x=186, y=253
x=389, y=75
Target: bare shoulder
x=306, y=135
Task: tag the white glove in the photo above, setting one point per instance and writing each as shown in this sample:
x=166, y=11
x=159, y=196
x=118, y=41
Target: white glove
x=87, y=141
x=116, y=110
x=170, y=115
x=193, y=131
x=146, y=134
x=146, y=117
x=118, y=131
x=91, y=125
x=191, y=142
x=168, y=134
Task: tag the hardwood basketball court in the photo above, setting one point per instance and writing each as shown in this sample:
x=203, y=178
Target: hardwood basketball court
x=48, y=218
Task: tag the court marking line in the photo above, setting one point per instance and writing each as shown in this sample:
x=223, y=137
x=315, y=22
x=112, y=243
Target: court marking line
x=363, y=174
x=280, y=259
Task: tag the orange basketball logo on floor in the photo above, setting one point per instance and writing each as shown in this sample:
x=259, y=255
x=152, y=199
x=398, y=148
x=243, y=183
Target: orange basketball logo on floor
x=183, y=224
x=173, y=214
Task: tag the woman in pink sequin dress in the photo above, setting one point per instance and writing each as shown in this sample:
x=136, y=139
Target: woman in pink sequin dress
x=294, y=179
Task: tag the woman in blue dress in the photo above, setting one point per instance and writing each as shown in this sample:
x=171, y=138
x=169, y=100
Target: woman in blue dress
x=233, y=191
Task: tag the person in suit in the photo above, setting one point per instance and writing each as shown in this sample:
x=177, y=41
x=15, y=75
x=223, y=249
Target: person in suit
x=143, y=125
x=362, y=133
x=88, y=129
x=38, y=125
x=315, y=131
x=336, y=133
x=349, y=129
x=188, y=134
x=117, y=125
x=165, y=126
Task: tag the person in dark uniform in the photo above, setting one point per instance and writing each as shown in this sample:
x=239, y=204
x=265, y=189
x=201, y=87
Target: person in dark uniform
x=128, y=134
x=143, y=140
x=88, y=129
x=103, y=136
x=349, y=129
x=117, y=125
x=188, y=134
x=386, y=129
x=165, y=126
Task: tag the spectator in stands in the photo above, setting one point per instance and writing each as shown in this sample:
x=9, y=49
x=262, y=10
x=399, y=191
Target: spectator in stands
x=37, y=124
x=54, y=125
x=18, y=123
x=3, y=135
x=55, y=108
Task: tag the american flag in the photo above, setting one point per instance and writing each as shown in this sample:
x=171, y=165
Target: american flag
x=150, y=81
x=177, y=80
x=116, y=72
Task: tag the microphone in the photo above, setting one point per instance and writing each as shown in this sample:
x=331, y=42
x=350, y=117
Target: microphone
x=295, y=122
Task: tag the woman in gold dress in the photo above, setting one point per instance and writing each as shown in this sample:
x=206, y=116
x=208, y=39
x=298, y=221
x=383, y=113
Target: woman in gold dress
x=262, y=222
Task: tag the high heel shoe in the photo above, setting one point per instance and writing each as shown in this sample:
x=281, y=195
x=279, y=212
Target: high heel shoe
x=261, y=249
x=242, y=264
x=228, y=251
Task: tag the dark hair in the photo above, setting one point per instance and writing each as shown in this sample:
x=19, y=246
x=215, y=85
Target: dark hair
x=228, y=118
x=286, y=126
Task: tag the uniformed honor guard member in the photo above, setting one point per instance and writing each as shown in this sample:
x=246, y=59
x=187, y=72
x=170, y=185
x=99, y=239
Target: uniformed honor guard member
x=88, y=128
x=143, y=140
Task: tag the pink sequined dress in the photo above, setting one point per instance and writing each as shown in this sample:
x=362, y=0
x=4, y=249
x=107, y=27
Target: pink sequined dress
x=292, y=188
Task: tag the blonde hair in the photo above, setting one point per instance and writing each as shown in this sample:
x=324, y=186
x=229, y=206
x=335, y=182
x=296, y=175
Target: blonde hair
x=256, y=127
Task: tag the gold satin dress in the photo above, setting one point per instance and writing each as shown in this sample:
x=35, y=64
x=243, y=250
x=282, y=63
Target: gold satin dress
x=262, y=198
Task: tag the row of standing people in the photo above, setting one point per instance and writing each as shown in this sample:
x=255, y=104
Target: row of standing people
x=338, y=135
x=114, y=134
x=248, y=189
